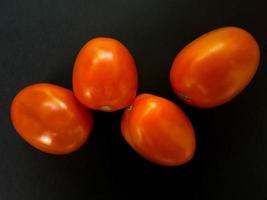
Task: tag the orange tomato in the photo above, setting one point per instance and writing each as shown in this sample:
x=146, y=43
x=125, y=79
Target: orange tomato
x=105, y=75
x=215, y=67
x=50, y=118
x=159, y=130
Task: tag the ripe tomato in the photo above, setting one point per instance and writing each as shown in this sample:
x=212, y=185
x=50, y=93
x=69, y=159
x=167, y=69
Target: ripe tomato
x=50, y=118
x=159, y=130
x=105, y=75
x=215, y=67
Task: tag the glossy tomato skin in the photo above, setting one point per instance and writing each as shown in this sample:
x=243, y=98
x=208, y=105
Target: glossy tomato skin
x=215, y=67
x=50, y=118
x=105, y=75
x=159, y=131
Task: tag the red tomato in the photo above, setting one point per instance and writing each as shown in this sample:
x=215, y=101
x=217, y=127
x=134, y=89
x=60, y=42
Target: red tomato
x=105, y=75
x=159, y=130
x=50, y=118
x=215, y=67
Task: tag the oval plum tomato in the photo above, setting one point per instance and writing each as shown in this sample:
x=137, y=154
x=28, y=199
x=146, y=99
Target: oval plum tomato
x=215, y=67
x=105, y=75
x=159, y=130
x=50, y=118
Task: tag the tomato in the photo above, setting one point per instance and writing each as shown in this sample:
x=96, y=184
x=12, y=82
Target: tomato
x=50, y=118
x=159, y=130
x=105, y=75
x=215, y=67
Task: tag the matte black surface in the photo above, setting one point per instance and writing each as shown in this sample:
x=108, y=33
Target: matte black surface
x=38, y=43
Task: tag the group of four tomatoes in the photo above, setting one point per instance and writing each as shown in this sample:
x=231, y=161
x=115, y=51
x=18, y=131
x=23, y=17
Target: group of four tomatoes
x=208, y=72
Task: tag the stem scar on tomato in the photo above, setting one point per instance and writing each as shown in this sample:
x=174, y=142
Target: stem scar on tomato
x=184, y=96
x=106, y=108
x=130, y=108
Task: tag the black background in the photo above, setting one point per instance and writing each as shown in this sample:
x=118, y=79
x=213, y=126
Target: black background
x=38, y=43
